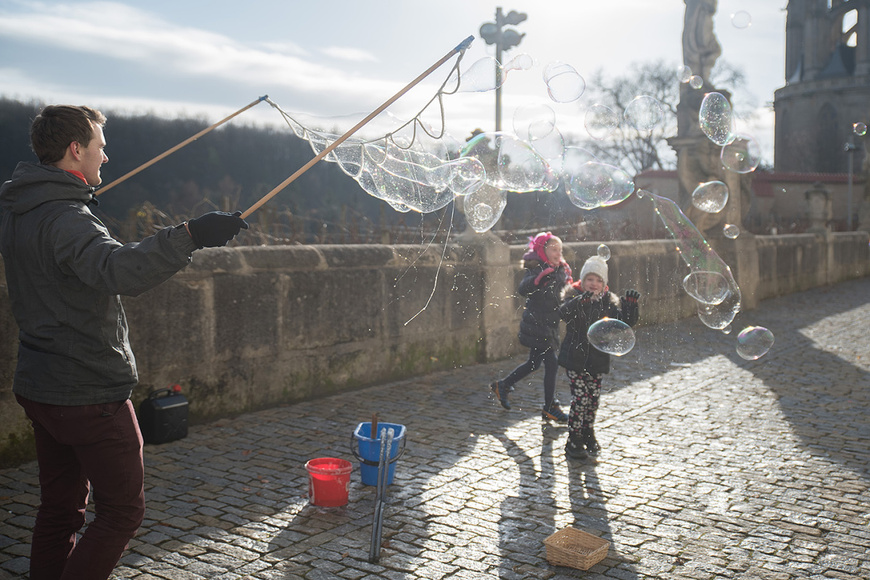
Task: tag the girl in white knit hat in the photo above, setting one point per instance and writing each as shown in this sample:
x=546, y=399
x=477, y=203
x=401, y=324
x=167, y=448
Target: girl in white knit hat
x=585, y=302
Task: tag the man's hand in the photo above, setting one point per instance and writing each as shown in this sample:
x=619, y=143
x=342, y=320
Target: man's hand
x=216, y=228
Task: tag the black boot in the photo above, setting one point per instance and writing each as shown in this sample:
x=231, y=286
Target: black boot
x=587, y=435
x=574, y=448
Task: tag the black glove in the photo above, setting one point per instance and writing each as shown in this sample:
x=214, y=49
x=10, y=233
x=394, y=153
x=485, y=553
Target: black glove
x=631, y=297
x=216, y=228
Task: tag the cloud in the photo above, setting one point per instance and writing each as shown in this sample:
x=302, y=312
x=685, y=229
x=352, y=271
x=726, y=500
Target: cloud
x=349, y=54
x=138, y=38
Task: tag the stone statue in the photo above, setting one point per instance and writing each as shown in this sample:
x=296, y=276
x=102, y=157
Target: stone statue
x=701, y=49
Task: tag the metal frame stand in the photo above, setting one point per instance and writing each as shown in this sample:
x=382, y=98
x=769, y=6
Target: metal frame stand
x=386, y=436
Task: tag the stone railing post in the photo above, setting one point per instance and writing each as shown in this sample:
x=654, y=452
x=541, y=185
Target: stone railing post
x=498, y=326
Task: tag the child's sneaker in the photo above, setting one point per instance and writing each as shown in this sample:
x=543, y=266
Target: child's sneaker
x=574, y=448
x=500, y=392
x=554, y=413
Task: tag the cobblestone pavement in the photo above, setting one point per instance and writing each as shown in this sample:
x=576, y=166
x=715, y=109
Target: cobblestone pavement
x=712, y=467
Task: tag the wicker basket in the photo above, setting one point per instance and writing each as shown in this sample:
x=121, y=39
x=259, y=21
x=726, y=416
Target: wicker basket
x=575, y=549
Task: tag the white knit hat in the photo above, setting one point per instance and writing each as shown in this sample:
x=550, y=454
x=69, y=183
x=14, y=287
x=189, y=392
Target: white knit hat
x=595, y=265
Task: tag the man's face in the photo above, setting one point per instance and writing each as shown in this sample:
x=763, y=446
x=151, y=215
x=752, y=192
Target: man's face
x=92, y=157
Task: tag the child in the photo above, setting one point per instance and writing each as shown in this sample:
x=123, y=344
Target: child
x=547, y=274
x=586, y=302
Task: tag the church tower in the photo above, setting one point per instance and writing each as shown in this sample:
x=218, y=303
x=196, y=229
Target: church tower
x=827, y=72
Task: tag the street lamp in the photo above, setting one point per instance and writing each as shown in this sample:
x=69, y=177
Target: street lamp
x=850, y=149
x=503, y=39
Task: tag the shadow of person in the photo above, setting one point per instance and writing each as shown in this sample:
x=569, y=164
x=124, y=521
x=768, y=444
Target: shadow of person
x=589, y=511
x=527, y=514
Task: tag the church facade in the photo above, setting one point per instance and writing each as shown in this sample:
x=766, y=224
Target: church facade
x=824, y=107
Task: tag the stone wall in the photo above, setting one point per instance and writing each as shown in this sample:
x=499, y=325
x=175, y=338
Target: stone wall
x=250, y=327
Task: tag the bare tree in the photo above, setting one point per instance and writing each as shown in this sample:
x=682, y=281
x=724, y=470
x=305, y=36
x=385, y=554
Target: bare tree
x=638, y=150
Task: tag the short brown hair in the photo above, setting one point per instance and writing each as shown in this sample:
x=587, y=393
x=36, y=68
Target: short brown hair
x=56, y=126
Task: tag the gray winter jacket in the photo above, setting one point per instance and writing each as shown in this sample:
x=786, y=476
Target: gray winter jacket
x=65, y=275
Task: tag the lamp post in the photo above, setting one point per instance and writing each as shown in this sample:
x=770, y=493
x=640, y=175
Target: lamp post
x=503, y=39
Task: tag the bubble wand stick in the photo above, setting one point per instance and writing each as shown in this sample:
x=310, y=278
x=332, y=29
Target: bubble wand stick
x=179, y=146
x=460, y=47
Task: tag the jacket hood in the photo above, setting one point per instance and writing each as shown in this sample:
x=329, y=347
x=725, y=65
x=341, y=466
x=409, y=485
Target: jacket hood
x=34, y=184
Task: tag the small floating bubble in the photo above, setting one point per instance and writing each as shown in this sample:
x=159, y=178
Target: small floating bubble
x=741, y=19
x=603, y=252
x=754, y=342
x=684, y=74
x=731, y=231
x=564, y=83
x=710, y=197
x=859, y=129
x=600, y=121
x=696, y=81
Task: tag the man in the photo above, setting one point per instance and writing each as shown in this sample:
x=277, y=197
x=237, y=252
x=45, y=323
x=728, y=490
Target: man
x=75, y=370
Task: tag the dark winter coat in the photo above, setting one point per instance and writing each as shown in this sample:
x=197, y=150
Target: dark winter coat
x=539, y=326
x=576, y=354
x=65, y=275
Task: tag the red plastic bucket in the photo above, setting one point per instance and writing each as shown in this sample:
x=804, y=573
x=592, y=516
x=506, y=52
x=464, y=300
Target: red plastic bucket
x=328, y=480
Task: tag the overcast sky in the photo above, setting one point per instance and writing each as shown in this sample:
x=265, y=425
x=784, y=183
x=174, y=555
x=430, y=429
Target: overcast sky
x=333, y=58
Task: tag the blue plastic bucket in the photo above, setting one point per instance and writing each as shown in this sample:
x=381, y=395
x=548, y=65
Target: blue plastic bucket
x=370, y=450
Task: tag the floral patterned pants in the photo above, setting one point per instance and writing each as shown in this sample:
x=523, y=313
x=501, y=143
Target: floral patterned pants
x=585, y=393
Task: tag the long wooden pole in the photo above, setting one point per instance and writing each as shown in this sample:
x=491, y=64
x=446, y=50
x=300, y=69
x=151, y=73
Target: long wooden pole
x=461, y=46
x=177, y=147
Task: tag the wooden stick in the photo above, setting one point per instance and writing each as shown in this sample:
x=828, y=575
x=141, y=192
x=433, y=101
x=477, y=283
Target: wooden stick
x=462, y=46
x=177, y=147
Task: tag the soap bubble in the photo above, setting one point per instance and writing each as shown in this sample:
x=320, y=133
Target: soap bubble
x=467, y=174
x=480, y=76
x=486, y=206
x=714, y=117
x=596, y=184
x=564, y=84
x=741, y=19
x=859, y=129
x=511, y=164
x=741, y=155
x=731, y=231
x=696, y=81
x=533, y=121
x=753, y=342
x=700, y=257
x=684, y=73
x=600, y=121
x=643, y=113
x=603, y=252
x=720, y=316
x=710, y=197
x=611, y=336
x=708, y=288
x=482, y=212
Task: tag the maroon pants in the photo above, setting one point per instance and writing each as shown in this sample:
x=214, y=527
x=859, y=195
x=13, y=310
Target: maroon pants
x=79, y=447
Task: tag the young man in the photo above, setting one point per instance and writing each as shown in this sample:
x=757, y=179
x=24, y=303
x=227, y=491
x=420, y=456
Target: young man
x=76, y=371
